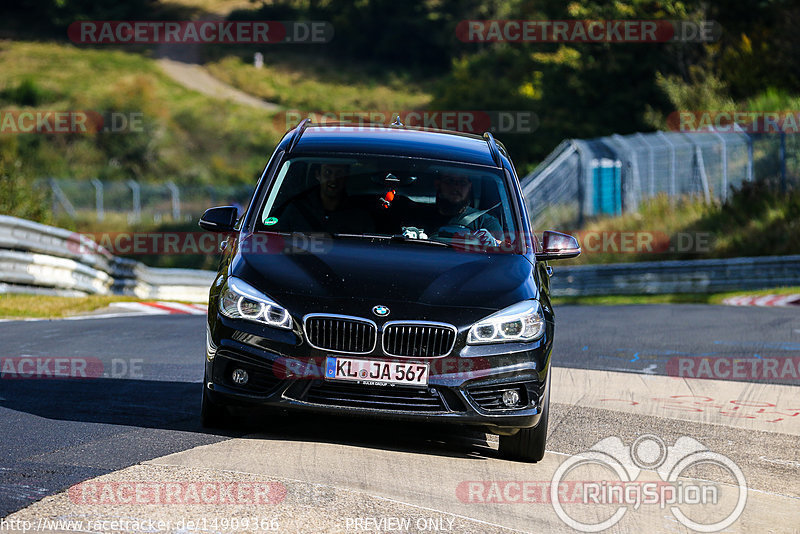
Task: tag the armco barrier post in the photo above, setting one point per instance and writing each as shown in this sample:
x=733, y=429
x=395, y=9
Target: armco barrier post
x=98, y=198
x=137, y=203
x=176, y=200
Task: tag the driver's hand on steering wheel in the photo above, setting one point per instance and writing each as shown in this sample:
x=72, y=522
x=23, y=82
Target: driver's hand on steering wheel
x=485, y=237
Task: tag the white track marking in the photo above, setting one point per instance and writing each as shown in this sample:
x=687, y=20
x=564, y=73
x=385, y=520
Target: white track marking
x=746, y=405
x=162, y=308
x=131, y=309
x=191, y=309
x=766, y=300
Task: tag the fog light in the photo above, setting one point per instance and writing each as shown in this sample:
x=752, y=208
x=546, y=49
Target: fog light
x=510, y=397
x=239, y=377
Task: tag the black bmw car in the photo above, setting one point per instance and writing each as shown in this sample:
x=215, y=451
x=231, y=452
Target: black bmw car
x=386, y=271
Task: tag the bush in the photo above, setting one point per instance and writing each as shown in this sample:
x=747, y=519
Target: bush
x=18, y=195
x=26, y=93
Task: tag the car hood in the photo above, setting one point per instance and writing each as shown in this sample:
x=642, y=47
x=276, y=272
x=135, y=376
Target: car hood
x=381, y=271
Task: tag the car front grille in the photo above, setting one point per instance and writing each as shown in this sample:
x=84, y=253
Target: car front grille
x=374, y=397
x=411, y=340
x=490, y=397
x=341, y=334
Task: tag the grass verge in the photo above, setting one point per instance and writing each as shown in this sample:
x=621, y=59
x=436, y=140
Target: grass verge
x=48, y=307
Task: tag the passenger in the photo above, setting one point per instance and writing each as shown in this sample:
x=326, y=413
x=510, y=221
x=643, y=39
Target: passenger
x=327, y=206
x=453, y=196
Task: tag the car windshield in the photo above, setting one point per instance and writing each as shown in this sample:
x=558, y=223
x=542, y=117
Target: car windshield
x=391, y=197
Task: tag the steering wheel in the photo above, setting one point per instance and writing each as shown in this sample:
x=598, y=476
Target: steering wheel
x=469, y=218
x=452, y=230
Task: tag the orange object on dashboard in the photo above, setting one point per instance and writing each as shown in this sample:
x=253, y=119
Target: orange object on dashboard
x=386, y=201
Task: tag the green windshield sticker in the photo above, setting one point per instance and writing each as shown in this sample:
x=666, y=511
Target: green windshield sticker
x=269, y=221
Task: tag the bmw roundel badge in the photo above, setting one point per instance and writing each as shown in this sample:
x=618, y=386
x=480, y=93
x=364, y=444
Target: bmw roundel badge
x=380, y=311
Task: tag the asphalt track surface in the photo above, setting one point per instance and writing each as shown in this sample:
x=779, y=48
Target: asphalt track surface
x=144, y=413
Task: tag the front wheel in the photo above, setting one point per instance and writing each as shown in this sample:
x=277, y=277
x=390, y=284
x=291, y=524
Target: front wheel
x=211, y=415
x=528, y=444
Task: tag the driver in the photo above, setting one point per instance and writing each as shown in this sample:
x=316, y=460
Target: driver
x=453, y=196
x=327, y=207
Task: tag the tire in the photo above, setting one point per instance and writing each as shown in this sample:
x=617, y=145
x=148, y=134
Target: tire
x=528, y=444
x=212, y=415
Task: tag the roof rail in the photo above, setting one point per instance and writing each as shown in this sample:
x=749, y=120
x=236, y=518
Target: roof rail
x=298, y=132
x=493, y=149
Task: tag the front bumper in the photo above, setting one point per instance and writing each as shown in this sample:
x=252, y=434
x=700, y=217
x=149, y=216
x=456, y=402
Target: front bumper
x=463, y=390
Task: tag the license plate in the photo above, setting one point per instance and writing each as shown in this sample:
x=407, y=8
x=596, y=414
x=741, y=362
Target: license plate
x=377, y=372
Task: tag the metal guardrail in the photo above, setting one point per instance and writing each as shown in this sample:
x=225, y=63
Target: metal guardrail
x=43, y=259
x=32, y=269
x=693, y=276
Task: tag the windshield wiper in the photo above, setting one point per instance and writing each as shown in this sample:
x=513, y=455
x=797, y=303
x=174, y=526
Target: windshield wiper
x=405, y=239
x=368, y=236
x=397, y=238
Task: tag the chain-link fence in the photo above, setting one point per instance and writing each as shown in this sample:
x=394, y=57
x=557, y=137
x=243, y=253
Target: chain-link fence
x=611, y=175
x=579, y=179
x=139, y=202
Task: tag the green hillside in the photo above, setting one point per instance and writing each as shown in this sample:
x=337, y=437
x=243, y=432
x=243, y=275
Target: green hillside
x=185, y=136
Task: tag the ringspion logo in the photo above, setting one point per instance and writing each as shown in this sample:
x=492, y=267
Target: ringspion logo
x=711, y=506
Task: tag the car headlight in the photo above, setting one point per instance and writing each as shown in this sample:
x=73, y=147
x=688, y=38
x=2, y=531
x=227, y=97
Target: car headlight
x=521, y=322
x=240, y=300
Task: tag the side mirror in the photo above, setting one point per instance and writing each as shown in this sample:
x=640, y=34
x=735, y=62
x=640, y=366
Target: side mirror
x=221, y=219
x=557, y=246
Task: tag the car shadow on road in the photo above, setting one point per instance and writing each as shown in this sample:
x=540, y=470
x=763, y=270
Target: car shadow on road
x=454, y=441
x=176, y=406
x=137, y=403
